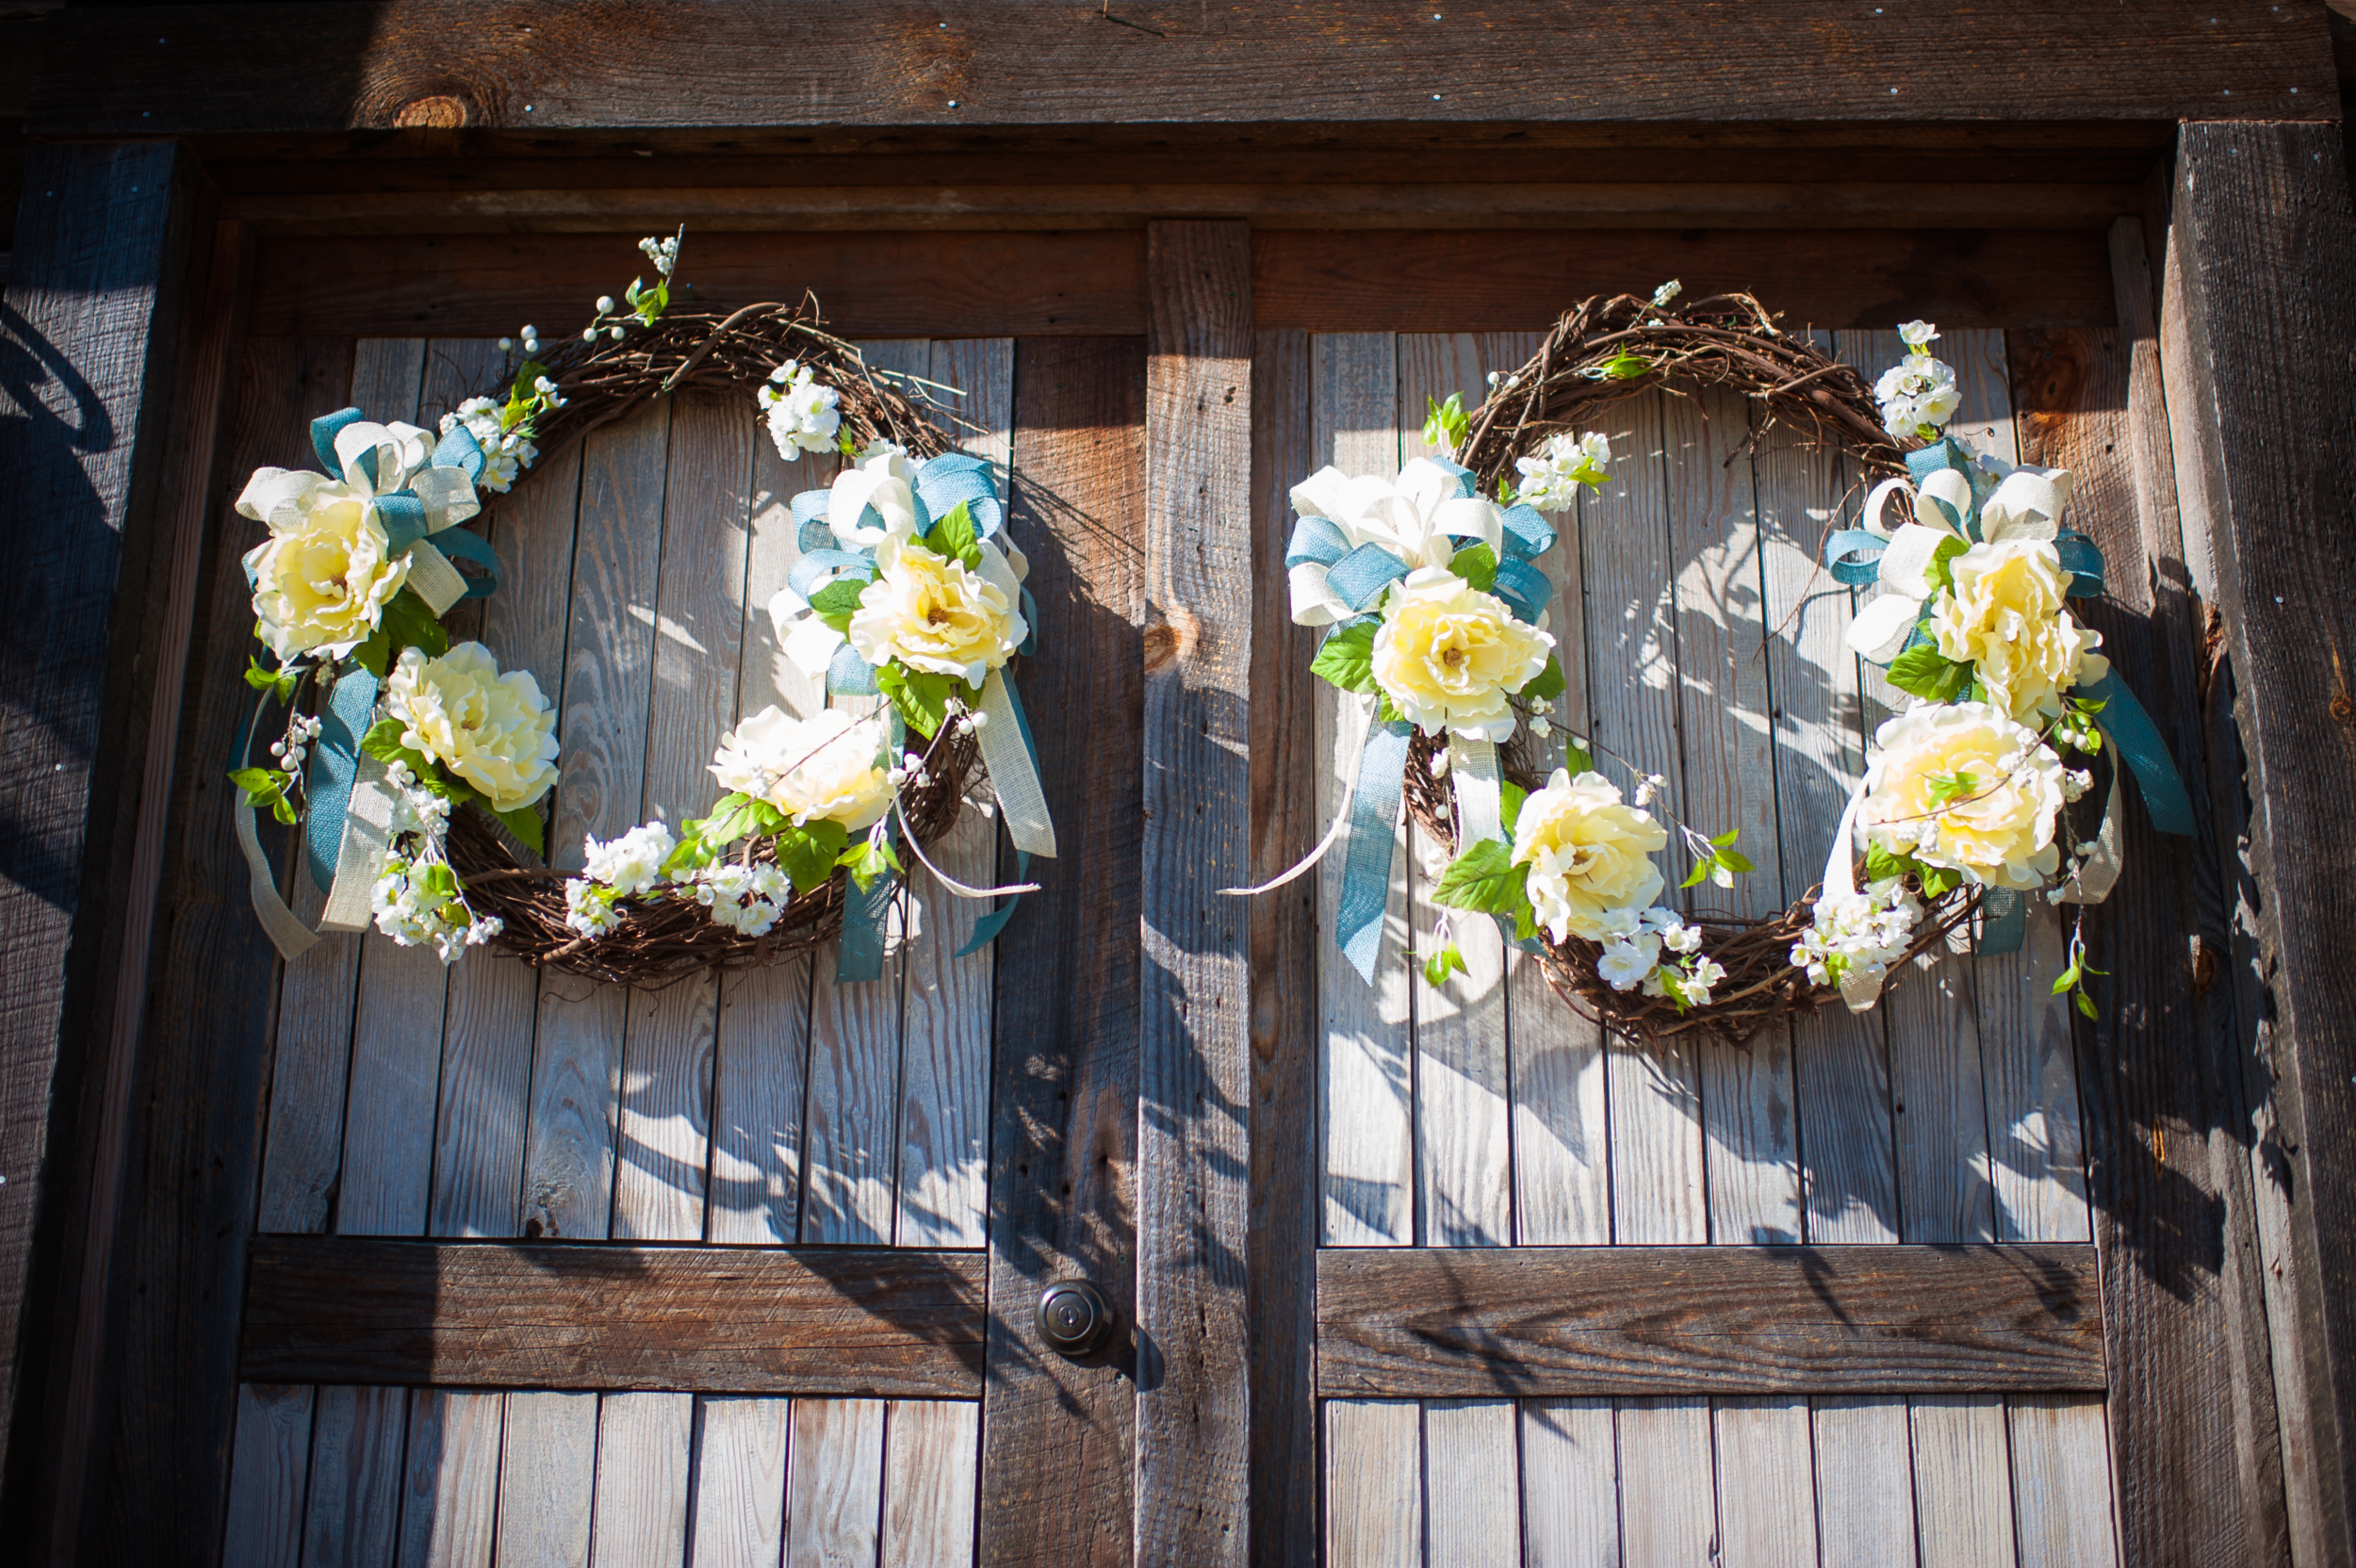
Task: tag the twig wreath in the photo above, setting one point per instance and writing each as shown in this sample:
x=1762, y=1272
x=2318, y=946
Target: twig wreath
x=1436, y=617
x=419, y=772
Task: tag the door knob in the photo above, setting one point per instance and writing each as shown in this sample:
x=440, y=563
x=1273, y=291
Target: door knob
x=1075, y=1318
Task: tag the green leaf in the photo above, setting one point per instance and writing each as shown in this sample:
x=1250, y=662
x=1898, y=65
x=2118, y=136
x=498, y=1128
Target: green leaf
x=838, y=598
x=1727, y=837
x=408, y=623
x=1437, y=968
x=1347, y=660
x=1941, y=570
x=868, y=858
x=2066, y=981
x=1548, y=684
x=279, y=683
x=1947, y=788
x=383, y=741
x=1577, y=760
x=1510, y=797
x=921, y=695
x=1484, y=878
x=375, y=653
x=1938, y=881
x=1734, y=860
x=1696, y=877
x=266, y=787
x=808, y=854
x=2085, y=1006
x=1477, y=565
x=1385, y=711
x=1627, y=366
x=524, y=822
x=953, y=538
x=1929, y=674
x=847, y=443
x=1881, y=864
x=1446, y=424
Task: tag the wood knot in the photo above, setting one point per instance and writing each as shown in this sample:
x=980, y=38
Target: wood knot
x=439, y=112
x=1170, y=634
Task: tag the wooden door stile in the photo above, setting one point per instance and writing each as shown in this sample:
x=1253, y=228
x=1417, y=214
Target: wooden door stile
x=1287, y=945
x=1193, y=1409
x=1366, y=1090
x=1055, y=1479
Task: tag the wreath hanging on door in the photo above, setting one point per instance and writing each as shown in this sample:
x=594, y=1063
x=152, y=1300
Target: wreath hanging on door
x=1434, y=607
x=418, y=771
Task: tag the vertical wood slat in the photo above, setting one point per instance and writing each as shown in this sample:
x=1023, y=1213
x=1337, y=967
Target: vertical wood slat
x=1471, y=1462
x=834, y=1489
x=544, y=1508
x=1194, y=1045
x=270, y=1460
x=1366, y=1059
x=1374, y=1514
x=1056, y=1481
x=741, y=1449
x=1570, y=1481
x=931, y=1450
x=639, y=1516
x=1864, y=1508
x=351, y=1506
x=449, y=1478
x=189, y=1184
x=1286, y=1159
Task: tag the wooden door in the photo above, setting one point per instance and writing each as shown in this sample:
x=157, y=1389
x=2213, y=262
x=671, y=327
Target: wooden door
x=700, y=1275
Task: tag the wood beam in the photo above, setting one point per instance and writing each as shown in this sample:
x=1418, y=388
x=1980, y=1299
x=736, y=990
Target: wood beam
x=2262, y=257
x=438, y=65
x=1498, y=1322
x=865, y=1322
x=1194, y=1406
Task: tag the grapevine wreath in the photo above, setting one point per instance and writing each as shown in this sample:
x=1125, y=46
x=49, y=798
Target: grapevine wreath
x=419, y=772
x=1434, y=610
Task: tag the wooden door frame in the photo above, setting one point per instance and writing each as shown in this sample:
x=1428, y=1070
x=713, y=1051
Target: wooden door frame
x=2248, y=233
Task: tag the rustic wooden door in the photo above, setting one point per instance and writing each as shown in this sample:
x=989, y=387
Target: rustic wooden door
x=791, y=1198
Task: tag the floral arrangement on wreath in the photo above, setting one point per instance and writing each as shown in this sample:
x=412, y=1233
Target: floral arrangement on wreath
x=400, y=748
x=1436, y=617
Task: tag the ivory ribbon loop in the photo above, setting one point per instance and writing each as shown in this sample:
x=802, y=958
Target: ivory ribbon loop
x=2100, y=873
x=367, y=838
x=1473, y=773
x=1013, y=758
x=286, y=932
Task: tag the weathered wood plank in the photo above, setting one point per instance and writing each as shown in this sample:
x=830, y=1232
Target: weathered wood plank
x=1471, y=1457
x=449, y=1478
x=1368, y=1059
x=1034, y=64
x=609, y=655
x=2061, y=1483
x=834, y=1496
x=1285, y=1043
x=1055, y=1477
x=610, y=1316
x=352, y=1507
x=547, y=1479
x=1463, y=1107
x=1962, y=1501
x=942, y=1184
x=1462, y=1322
x=932, y=1459
x=641, y=1505
x=740, y=1482
x=165, y=1397
x=1766, y=1483
x=1655, y=1091
x=269, y=1462
x=1666, y=1515
x=1864, y=1505
x=1373, y=1484
x=1193, y=1409
x=1570, y=1485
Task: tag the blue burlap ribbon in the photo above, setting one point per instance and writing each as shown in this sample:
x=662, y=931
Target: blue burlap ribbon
x=402, y=512
x=2136, y=740
x=2004, y=923
x=1373, y=838
x=335, y=761
x=861, y=949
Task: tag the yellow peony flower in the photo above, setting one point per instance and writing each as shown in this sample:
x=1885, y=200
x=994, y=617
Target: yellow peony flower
x=495, y=731
x=1448, y=655
x=2005, y=614
x=1963, y=786
x=830, y=765
x=1590, y=856
x=323, y=578
x=929, y=612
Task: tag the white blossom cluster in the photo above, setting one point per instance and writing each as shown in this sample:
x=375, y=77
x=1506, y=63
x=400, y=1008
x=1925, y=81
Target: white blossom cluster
x=416, y=900
x=505, y=452
x=1858, y=935
x=747, y=899
x=293, y=751
x=804, y=415
x=1550, y=479
x=662, y=252
x=1631, y=957
x=617, y=868
x=1918, y=395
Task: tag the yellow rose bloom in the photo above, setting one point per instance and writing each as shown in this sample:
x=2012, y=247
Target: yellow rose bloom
x=1964, y=787
x=1450, y=654
x=830, y=765
x=2005, y=614
x=323, y=578
x=495, y=731
x=930, y=612
x=1589, y=853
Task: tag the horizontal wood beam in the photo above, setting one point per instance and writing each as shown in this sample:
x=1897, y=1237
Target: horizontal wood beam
x=1452, y=1323
x=438, y=65
x=1091, y=282
x=873, y=1322
x=1397, y=205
